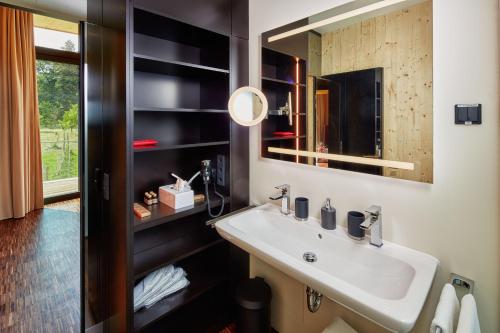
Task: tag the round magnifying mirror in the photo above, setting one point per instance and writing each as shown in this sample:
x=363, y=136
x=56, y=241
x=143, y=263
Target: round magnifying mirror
x=248, y=106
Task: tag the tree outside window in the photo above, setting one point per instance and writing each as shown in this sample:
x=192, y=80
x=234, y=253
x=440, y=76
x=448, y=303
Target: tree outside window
x=58, y=96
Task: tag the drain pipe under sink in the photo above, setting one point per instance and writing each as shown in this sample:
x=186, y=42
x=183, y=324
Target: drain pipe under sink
x=313, y=299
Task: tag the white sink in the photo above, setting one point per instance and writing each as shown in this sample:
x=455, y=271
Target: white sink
x=387, y=285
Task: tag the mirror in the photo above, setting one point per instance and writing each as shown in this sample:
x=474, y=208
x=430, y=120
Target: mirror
x=351, y=88
x=248, y=106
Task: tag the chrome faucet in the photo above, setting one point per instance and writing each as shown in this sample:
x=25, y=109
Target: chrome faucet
x=284, y=195
x=373, y=222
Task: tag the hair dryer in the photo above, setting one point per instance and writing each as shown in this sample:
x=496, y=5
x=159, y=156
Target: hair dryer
x=206, y=171
x=206, y=175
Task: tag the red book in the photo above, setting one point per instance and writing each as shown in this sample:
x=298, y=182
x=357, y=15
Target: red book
x=280, y=134
x=144, y=143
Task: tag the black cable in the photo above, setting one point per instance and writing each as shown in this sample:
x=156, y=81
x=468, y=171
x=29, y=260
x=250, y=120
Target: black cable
x=208, y=202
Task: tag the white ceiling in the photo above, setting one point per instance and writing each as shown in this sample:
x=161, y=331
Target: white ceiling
x=75, y=10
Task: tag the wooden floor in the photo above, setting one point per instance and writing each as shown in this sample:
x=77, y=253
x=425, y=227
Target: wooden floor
x=40, y=273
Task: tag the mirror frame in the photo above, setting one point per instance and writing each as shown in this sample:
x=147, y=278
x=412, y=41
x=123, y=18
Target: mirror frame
x=232, y=111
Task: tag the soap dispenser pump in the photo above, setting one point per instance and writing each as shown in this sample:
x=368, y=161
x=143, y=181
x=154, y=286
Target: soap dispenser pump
x=328, y=216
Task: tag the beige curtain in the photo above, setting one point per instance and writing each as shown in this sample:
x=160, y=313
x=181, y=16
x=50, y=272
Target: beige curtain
x=20, y=151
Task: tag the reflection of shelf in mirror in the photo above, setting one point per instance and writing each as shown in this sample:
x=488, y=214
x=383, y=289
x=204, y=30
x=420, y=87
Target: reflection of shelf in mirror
x=274, y=113
x=282, y=81
x=184, y=146
x=180, y=110
x=275, y=138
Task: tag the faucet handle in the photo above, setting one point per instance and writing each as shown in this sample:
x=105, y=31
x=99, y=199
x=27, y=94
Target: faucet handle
x=374, y=211
x=285, y=188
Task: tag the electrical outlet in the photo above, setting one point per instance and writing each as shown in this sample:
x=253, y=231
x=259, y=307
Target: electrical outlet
x=221, y=170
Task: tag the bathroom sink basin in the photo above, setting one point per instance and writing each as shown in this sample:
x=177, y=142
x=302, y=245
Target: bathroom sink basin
x=387, y=285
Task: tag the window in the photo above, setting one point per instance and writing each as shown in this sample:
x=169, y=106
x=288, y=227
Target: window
x=57, y=69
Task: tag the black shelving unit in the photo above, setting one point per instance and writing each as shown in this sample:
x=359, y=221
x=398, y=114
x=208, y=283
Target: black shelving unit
x=283, y=74
x=183, y=74
x=182, y=78
x=161, y=70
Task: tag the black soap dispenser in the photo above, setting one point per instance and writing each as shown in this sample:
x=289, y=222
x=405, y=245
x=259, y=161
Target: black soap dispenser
x=328, y=216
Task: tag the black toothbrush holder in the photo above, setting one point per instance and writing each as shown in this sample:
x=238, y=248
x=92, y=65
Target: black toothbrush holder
x=354, y=220
x=301, y=208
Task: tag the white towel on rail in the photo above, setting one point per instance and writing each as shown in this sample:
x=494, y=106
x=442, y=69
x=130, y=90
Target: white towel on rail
x=447, y=310
x=468, y=321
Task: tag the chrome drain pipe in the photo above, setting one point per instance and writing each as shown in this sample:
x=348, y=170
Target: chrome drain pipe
x=313, y=299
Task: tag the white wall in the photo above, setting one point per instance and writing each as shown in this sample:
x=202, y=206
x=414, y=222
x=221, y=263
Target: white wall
x=456, y=219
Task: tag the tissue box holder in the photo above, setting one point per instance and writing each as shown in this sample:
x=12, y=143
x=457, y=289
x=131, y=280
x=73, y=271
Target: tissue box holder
x=176, y=199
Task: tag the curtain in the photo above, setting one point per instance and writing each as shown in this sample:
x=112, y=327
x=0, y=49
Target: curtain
x=20, y=150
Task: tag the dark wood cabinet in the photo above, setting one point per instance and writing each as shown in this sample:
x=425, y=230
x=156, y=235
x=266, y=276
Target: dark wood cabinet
x=164, y=70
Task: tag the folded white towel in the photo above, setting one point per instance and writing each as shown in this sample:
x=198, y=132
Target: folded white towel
x=158, y=285
x=447, y=311
x=183, y=283
x=338, y=325
x=468, y=322
x=150, y=283
x=165, y=285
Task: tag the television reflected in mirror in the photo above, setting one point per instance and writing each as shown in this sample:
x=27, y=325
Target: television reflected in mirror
x=351, y=89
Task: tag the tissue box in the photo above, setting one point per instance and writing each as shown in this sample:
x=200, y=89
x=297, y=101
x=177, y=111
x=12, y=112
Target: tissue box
x=176, y=199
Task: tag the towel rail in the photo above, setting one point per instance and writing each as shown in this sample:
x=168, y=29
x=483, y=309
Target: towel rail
x=461, y=281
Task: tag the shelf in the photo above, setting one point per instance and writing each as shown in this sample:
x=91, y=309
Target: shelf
x=161, y=213
x=179, y=110
x=144, y=63
x=283, y=115
x=173, y=251
x=283, y=82
x=155, y=23
x=201, y=281
x=184, y=146
x=283, y=138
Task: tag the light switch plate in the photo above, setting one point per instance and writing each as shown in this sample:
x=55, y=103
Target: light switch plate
x=468, y=114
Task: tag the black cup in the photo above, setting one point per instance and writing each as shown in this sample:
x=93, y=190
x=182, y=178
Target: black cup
x=354, y=220
x=301, y=208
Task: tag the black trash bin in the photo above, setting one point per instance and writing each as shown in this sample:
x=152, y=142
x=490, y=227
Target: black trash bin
x=254, y=298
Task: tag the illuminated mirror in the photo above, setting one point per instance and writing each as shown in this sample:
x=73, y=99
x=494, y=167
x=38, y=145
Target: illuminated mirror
x=352, y=88
x=248, y=106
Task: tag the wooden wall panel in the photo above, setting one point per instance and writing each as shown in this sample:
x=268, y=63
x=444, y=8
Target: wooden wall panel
x=401, y=43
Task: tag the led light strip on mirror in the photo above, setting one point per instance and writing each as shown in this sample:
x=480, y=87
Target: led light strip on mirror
x=336, y=18
x=345, y=158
